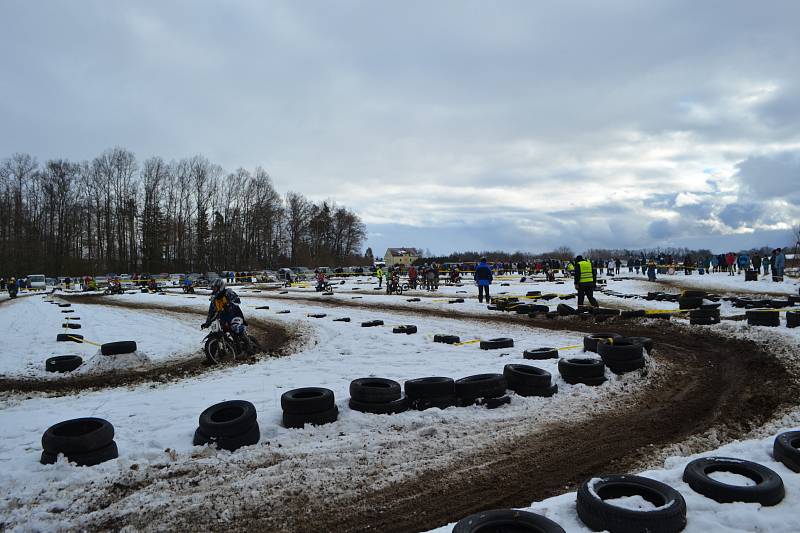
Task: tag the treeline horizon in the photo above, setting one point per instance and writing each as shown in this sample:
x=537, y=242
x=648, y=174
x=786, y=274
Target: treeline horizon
x=114, y=214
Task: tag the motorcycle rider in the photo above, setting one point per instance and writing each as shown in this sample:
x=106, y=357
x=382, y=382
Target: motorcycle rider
x=225, y=304
x=320, y=280
x=13, y=287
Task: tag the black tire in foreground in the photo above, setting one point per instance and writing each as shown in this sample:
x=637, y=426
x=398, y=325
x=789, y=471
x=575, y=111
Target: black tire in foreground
x=647, y=342
x=590, y=341
x=307, y=400
x=471, y=388
x=117, y=348
x=496, y=344
x=428, y=392
x=84, y=441
x=768, y=489
x=528, y=380
x=226, y=419
x=315, y=419
x=506, y=520
x=539, y=354
x=374, y=390
x=669, y=515
x=231, y=443
x=792, y=319
x=69, y=337
x=582, y=370
x=95, y=457
x=786, y=449
x=383, y=408
x=62, y=363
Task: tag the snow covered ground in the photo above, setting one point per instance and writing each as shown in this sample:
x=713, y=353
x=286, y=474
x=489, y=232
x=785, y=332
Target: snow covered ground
x=155, y=422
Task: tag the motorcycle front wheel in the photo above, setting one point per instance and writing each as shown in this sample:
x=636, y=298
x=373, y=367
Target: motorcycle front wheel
x=218, y=350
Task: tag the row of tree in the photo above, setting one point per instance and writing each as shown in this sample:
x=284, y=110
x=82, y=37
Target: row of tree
x=114, y=214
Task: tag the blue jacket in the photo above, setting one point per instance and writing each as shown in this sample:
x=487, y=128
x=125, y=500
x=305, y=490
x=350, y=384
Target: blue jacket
x=780, y=260
x=483, y=274
x=743, y=260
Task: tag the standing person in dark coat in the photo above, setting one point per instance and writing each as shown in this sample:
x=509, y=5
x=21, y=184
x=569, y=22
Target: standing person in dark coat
x=585, y=280
x=483, y=278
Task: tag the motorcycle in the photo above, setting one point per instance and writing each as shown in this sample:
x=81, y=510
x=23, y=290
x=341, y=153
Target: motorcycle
x=188, y=289
x=220, y=345
x=113, y=289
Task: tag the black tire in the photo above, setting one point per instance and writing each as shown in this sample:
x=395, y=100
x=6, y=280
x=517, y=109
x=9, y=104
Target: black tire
x=604, y=311
x=539, y=354
x=581, y=368
x=489, y=403
x=315, y=419
x=481, y=386
x=283, y=312
x=629, y=365
x=250, y=436
x=506, y=520
x=115, y=348
x=407, y=329
x=694, y=294
x=374, y=390
x=446, y=339
x=262, y=307
x=387, y=408
x=768, y=490
x=763, y=317
x=307, y=400
x=316, y=315
x=79, y=435
x=429, y=387
x=646, y=342
x=545, y=392
x=65, y=311
x=62, y=363
x=539, y=308
x=70, y=325
x=371, y=323
x=69, y=337
x=591, y=382
x=704, y=321
x=226, y=419
x=344, y=319
x=443, y=402
x=456, y=301
x=689, y=302
x=94, y=457
x=65, y=305
x=496, y=344
x=792, y=319
x=526, y=376
x=669, y=517
x=619, y=350
x=590, y=341
x=217, y=350
x=786, y=449
x=413, y=300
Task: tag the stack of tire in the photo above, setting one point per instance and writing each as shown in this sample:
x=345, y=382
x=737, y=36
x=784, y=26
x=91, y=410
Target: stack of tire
x=704, y=317
x=763, y=317
x=582, y=370
x=488, y=390
x=62, y=363
x=792, y=319
x=379, y=396
x=750, y=275
x=691, y=299
x=528, y=380
x=621, y=355
x=228, y=425
x=308, y=405
x=435, y=391
x=590, y=341
x=84, y=441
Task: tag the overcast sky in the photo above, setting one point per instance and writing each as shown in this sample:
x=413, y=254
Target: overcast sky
x=445, y=125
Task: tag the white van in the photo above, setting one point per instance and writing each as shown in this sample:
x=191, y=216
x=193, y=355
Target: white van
x=37, y=282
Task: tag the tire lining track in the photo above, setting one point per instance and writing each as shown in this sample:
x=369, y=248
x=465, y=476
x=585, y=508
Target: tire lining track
x=708, y=385
x=275, y=338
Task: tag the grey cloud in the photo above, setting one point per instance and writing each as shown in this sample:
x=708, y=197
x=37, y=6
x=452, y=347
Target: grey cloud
x=771, y=176
x=660, y=229
x=741, y=214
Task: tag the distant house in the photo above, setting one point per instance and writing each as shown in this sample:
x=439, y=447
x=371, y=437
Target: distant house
x=401, y=256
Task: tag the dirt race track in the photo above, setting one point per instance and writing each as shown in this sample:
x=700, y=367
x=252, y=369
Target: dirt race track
x=707, y=383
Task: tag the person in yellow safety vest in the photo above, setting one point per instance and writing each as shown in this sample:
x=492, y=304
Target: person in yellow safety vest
x=570, y=269
x=585, y=280
x=379, y=275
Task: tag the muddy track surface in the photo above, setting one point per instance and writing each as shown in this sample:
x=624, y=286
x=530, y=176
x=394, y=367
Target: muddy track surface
x=275, y=339
x=707, y=382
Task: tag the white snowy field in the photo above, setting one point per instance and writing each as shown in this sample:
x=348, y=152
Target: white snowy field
x=151, y=418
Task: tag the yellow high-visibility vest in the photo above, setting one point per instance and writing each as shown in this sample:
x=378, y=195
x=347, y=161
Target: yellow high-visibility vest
x=586, y=271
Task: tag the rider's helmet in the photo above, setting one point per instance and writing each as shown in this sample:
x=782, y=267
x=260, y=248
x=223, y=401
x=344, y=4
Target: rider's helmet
x=217, y=285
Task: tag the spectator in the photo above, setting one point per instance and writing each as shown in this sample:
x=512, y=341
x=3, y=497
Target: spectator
x=379, y=275
x=651, y=269
x=780, y=262
x=617, y=265
x=757, y=263
x=714, y=263
x=585, y=280
x=743, y=262
x=765, y=262
x=687, y=265
x=730, y=261
x=412, y=277
x=483, y=278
